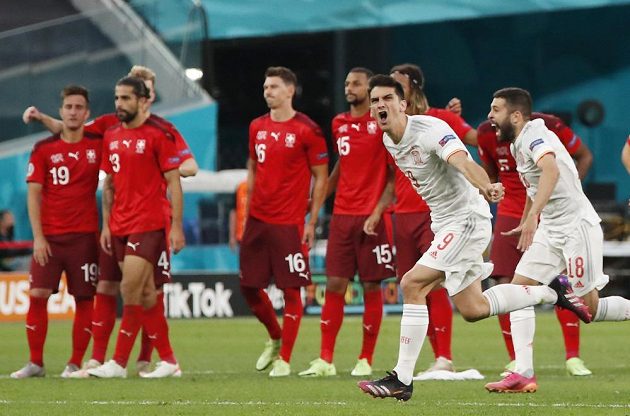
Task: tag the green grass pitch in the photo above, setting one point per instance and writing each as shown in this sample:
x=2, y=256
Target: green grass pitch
x=218, y=356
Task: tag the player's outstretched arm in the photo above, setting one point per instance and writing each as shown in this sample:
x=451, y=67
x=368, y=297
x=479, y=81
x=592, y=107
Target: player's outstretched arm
x=33, y=114
x=625, y=155
x=176, y=236
x=41, y=248
x=475, y=174
x=320, y=174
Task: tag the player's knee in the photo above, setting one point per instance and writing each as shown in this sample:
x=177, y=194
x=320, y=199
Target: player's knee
x=473, y=313
x=107, y=287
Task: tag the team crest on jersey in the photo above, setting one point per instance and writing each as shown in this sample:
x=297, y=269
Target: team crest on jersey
x=141, y=145
x=446, y=139
x=289, y=140
x=343, y=128
x=91, y=155
x=416, y=156
x=56, y=158
x=371, y=127
x=113, y=145
x=261, y=135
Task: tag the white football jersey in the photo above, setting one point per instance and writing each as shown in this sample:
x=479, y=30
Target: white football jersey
x=567, y=204
x=422, y=156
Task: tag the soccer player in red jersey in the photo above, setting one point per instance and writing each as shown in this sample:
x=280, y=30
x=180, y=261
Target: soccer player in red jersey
x=286, y=149
x=412, y=228
x=498, y=161
x=135, y=231
x=359, y=179
x=109, y=277
x=625, y=155
x=62, y=180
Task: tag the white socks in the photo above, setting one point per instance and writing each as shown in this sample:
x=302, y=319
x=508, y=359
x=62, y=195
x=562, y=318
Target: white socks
x=413, y=331
x=613, y=308
x=508, y=298
x=523, y=324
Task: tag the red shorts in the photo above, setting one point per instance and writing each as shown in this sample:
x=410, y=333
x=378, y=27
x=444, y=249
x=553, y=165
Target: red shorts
x=273, y=250
x=503, y=252
x=350, y=250
x=151, y=246
x=76, y=254
x=412, y=236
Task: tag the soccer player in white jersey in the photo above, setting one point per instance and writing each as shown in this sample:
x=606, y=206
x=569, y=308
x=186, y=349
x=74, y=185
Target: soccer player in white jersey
x=568, y=235
x=439, y=167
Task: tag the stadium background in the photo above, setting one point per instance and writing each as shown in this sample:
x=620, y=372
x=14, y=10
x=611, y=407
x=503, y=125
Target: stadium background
x=573, y=56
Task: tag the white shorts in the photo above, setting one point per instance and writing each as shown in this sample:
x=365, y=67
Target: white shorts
x=457, y=250
x=579, y=253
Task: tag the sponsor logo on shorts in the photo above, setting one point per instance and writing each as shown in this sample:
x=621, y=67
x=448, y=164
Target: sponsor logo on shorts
x=133, y=245
x=433, y=254
x=535, y=143
x=579, y=285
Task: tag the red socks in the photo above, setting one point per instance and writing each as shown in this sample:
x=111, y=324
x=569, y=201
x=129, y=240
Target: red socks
x=330, y=323
x=36, y=328
x=146, y=346
x=372, y=317
x=261, y=306
x=129, y=328
x=440, y=322
x=570, y=324
x=156, y=329
x=103, y=320
x=81, y=329
x=506, y=330
x=293, y=311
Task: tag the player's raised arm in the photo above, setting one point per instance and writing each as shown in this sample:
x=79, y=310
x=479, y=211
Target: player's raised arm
x=476, y=176
x=33, y=114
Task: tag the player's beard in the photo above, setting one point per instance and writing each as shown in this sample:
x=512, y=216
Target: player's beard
x=354, y=100
x=506, y=132
x=125, y=116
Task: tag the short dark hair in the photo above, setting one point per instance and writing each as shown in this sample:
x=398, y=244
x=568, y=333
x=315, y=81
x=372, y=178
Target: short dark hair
x=362, y=70
x=139, y=87
x=416, y=77
x=517, y=99
x=381, y=80
x=75, y=90
x=283, y=73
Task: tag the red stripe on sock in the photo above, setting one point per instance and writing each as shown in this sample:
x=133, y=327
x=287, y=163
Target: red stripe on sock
x=156, y=328
x=506, y=330
x=261, y=307
x=570, y=324
x=129, y=328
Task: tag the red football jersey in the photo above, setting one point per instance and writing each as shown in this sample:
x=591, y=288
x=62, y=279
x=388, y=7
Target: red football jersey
x=102, y=123
x=497, y=153
x=137, y=159
x=283, y=153
x=407, y=199
x=362, y=164
x=68, y=173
